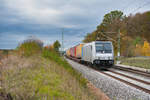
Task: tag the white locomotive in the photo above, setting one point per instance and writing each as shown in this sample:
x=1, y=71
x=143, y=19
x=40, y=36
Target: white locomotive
x=98, y=53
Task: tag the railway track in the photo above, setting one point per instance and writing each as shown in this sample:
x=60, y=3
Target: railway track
x=136, y=79
x=125, y=81
x=129, y=83
x=124, y=77
x=132, y=71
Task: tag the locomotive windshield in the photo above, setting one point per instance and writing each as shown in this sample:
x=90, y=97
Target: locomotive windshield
x=103, y=48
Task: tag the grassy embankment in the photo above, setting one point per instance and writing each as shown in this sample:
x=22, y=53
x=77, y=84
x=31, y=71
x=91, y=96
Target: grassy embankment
x=26, y=75
x=137, y=62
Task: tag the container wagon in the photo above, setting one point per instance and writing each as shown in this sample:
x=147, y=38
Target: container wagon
x=79, y=51
x=71, y=52
x=68, y=52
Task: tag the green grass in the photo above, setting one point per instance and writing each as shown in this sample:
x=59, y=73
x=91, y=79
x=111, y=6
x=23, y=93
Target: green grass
x=39, y=78
x=54, y=56
x=137, y=62
x=37, y=74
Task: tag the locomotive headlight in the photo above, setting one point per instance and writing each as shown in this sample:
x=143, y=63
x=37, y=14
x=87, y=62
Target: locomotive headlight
x=110, y=58
x=102, y=58
x=111, y=62
x=105, y=58
x=97, y=61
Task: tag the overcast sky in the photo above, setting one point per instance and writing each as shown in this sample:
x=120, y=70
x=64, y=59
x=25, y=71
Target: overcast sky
x=45, y=19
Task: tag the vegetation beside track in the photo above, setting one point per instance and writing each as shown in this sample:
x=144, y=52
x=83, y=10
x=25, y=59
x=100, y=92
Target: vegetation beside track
x=54, y=56
x=46, y=75
x=137, y=62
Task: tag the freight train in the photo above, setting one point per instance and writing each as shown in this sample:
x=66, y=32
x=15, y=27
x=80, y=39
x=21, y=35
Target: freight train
x=96, y=53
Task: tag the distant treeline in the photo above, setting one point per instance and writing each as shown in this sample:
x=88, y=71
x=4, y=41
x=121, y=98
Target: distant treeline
x=34, y=46
x=6, y=49
x=134, y=32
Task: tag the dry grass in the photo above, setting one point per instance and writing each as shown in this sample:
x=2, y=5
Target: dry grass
x=37, y=78
x=99, y=94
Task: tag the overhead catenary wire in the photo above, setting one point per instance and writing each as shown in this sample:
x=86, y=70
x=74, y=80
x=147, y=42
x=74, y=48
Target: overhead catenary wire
x=128, y=5
x=136, y=9
x=108, y=37
x=145, y=4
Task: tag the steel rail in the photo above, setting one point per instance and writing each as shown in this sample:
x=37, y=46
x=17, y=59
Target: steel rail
x=126, y=82
x=139, y=80
x=132, y=70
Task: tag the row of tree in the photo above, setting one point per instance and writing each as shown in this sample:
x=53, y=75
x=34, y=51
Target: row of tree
x=134, y=32
x=55, y=46
x=33, y=46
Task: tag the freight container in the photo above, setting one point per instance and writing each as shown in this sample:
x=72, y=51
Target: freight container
x=79, y=50
x=72, y=52
x=68, y=52
x=75, y=51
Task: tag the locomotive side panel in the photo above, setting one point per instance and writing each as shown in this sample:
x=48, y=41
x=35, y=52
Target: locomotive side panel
x=87, y=53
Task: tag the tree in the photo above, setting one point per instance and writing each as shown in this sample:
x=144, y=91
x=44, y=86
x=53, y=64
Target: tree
x=137, y=41
x=111, y=23
x=112, y=16
x=134, y=29
x=146, y=48
x=138, y=50
x=56, y=45
x=34, y=39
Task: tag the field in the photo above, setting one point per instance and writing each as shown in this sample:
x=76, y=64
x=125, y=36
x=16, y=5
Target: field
x=45, y=76
x=142, y=62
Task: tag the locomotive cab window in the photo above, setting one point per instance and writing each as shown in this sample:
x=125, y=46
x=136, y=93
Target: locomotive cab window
x=103, y=48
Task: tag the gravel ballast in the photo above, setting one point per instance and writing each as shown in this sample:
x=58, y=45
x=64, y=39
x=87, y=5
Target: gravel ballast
x=147, y=86
x=114, y=89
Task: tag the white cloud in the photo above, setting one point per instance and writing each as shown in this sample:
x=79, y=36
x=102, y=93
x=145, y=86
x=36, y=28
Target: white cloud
x=52, y=12
x=28, y=10
x=57, y=12
x=43, y=11
x=49, y=16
